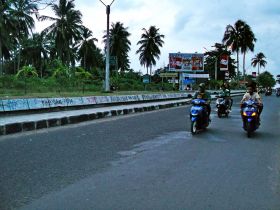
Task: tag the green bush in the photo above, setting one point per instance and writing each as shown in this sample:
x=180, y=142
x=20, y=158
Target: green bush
x=7, y=81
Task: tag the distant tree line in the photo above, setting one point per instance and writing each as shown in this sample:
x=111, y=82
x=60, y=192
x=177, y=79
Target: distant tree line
x=68, y=47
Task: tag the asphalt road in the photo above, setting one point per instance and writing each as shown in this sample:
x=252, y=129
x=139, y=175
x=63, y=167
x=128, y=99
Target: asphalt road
x=145, y=161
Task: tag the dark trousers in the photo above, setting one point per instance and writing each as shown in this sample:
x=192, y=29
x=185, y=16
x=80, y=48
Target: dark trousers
x=208, y=108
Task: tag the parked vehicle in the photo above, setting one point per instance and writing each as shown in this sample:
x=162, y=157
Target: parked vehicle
x=198, y=116
x=250, y=117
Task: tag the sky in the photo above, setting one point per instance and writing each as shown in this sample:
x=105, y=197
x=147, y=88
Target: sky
x=188, y=26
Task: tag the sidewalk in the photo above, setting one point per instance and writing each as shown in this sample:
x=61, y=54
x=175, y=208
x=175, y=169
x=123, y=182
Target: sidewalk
x=28, y=122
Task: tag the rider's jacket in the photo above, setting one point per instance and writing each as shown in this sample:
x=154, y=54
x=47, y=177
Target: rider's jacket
x=255, y=96
x=203, y=95
x=224, y=93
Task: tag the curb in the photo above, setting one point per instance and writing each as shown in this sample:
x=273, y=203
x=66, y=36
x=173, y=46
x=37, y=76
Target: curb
x=55, y=122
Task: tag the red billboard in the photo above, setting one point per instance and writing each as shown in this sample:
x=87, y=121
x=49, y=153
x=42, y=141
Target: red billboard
x=186, y=62
x=224, y=62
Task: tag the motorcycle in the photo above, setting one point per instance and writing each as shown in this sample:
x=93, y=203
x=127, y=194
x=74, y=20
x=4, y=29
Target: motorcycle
x=250, y=117
x=198, y=115
x=268, y=92
x=278, y=92
x=222, y=107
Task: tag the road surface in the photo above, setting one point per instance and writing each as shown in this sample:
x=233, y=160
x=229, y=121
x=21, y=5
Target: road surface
x=145, y=161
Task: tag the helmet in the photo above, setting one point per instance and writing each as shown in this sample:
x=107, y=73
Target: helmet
x=202, y=86
x=253, y=85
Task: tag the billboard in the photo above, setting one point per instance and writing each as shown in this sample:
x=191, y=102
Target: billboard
x=205, y=76
x=186, y=62
x=224, y=62
x=168, y=74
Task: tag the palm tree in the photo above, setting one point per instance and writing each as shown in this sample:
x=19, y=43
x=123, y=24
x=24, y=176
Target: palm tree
x=66, y=29
x=119, y=45
x=35, y=51
x=151, y=41
x=88, y=53
x=259, y=60
x=87, y=47
x=7, y=32
x=23, y=11
x=247, y=43
x=232, y=38
x=212, y=58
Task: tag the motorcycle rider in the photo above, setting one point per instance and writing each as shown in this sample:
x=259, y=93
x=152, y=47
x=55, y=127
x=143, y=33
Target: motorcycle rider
x=203, y=94
x=225, y=93
x=253, y=95
x=226, y=84
x=277, y=91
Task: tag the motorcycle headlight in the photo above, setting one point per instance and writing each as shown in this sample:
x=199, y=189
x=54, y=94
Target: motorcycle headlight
x=244, y=114
x=254, y=114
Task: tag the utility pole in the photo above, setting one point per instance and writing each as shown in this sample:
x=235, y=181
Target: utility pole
x=216, y=68
x=107, y=71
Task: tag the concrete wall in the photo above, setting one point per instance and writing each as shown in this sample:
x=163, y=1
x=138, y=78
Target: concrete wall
x=8, y=105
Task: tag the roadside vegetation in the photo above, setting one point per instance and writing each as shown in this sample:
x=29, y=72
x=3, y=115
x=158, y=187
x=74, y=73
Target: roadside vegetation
x=63, y=59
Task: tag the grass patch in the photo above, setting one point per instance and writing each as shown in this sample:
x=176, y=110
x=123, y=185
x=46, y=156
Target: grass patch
x=12, y=94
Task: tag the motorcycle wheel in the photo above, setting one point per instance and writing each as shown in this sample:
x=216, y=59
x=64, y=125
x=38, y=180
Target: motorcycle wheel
x=249, y=129
x=194, y=127
x=219, y=114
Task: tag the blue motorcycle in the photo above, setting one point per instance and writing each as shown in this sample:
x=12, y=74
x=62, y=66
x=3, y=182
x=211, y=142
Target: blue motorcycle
x=198, y=115
x=250, y=117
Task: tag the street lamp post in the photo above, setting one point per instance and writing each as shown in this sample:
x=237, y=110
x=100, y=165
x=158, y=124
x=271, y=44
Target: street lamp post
x=216, y=68
x=107, y=71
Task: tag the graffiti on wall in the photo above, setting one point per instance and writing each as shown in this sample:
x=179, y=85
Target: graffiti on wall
x=44, y=103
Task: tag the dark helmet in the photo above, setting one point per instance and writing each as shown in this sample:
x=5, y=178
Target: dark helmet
x=226, y=84
x=202, y=86
x=253, y=85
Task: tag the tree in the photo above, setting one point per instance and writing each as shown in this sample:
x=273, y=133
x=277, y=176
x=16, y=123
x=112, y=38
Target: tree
x=259, y=60
x=66, y=29
x=7, y=32
x=119, y=45
x=60, y=70
x=25, y=72
x=150, y=43
x=247, y=42
x=266, y=79
x=35, y=51
x=61, y=73
x=23, y=11
x=212, y=58
x=233, y=38
x=83, y=76
x=87, y=48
